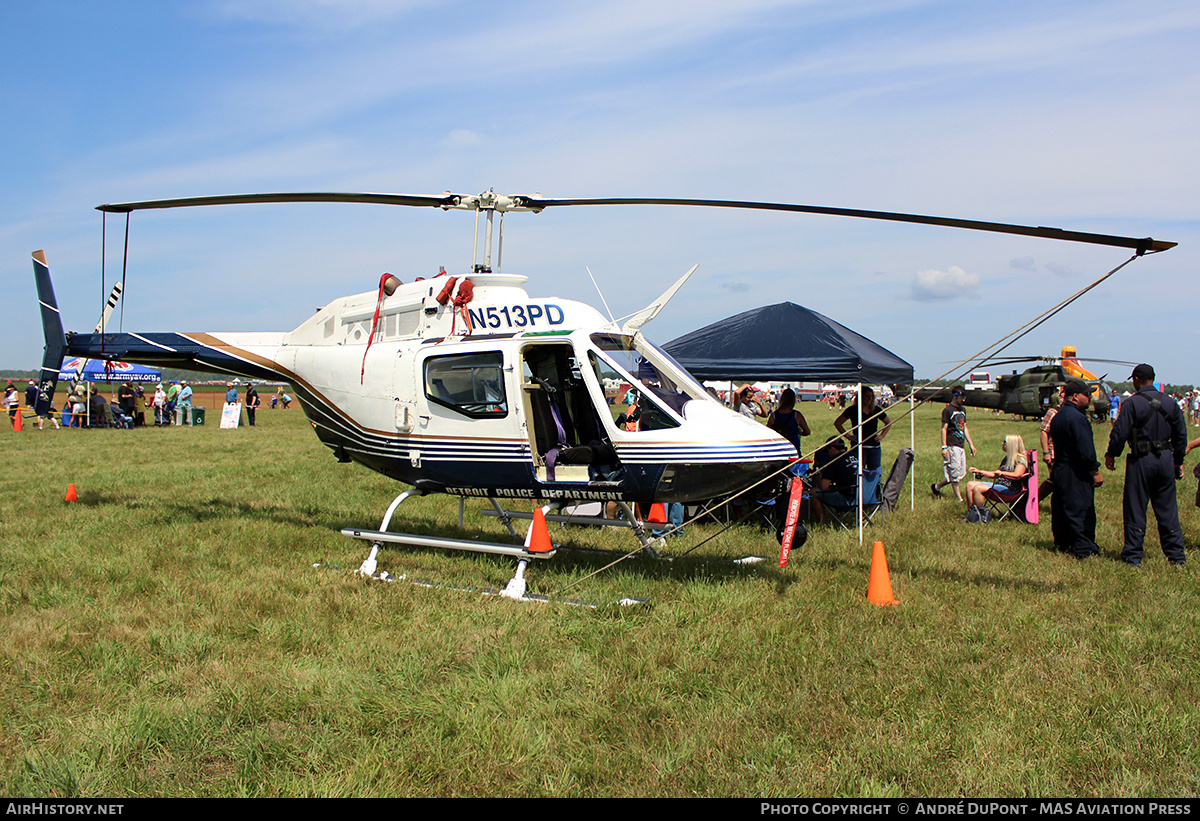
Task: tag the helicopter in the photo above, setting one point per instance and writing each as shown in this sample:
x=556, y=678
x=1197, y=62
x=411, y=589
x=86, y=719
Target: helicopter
x=469, y=386
x=1028, y=394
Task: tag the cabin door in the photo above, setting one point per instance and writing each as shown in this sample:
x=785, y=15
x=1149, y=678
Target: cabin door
x=567, y=442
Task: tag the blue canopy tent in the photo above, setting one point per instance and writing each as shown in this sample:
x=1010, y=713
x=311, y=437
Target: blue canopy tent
x=786, y=343
x=99, y=370
x=789, y=343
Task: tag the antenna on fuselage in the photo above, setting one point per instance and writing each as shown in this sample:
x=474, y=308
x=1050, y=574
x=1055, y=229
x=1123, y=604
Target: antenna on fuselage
x=602, y=299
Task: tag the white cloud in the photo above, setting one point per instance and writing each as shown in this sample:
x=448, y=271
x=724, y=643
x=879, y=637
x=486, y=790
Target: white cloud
x=930, y=285
x=1022, y=264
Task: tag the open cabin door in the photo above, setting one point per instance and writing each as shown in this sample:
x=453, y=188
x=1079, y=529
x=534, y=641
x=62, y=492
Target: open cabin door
x=567, y=441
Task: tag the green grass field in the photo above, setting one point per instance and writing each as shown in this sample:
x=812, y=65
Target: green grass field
x=169, y=635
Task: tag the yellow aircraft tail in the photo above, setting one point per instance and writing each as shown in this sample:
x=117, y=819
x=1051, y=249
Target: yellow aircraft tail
x=1071, y=365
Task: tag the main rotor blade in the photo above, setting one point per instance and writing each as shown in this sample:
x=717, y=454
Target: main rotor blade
x=491, y=201
x=444, y=201
x=1141, y=245
x=1050, y=360
x=1091, y=359
x=1005, y=360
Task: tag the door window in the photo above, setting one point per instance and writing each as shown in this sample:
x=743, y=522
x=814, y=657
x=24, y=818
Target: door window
x=471, y=384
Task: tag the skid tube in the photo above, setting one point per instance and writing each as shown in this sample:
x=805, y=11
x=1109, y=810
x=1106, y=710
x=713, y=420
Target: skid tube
x=378, y=538
x=648, y=543
x=415, y=540
x=516, y=587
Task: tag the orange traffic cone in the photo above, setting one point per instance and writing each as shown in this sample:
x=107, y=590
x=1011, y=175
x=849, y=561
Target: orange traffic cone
x=879, y=588
x=539, y=535
x=71, y=496
x=17, y=421
x=658, y=513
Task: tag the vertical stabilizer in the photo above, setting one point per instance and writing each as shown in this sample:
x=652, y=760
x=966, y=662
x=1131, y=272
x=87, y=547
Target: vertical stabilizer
x=52, y=329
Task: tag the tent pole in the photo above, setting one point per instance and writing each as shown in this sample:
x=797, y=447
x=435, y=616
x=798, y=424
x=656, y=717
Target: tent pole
x=858, y=404
x=912, y=445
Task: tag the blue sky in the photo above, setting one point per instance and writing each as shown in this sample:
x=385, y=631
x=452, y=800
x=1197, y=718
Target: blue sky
x=1080, y=115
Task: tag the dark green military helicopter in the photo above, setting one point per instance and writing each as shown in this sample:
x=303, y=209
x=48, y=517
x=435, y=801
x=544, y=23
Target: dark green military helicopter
x=1027, y=394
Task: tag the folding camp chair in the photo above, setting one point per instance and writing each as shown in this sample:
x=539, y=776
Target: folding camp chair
x=896, y=478
x=872, y=501
x=1021, y=500
x=873, y=495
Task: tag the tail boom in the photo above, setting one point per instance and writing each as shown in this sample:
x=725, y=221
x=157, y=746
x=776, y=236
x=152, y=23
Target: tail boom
x=191, y=351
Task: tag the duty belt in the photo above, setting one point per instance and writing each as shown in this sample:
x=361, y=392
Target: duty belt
x=1144, y=447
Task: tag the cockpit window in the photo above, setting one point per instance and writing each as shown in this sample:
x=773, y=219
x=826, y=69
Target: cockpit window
x=627, y=407
x=649, y=366
x=472, y=384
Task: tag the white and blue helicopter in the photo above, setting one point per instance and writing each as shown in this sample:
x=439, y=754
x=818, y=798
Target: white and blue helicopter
x=467, y=385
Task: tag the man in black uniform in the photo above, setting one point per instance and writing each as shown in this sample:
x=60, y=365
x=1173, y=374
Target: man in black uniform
x=1075, y=474
x=1154, y=428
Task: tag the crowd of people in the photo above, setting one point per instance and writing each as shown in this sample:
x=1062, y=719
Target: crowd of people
x=1190, y=403
x=835, y=466
x=132, y=405
x=84, y=406
x=1150, y=429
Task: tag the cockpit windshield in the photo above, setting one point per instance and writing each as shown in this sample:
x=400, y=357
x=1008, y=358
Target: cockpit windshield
x=651, y=367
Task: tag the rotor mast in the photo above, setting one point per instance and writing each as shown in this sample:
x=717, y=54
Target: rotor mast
x=491, y=203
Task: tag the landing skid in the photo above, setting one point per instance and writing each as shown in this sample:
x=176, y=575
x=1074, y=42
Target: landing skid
x=515, y=589
x=414, y=540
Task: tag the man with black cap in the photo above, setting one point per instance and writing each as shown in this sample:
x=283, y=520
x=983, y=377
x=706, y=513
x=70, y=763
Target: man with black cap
x=1154, y=428
x=1075, y=474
